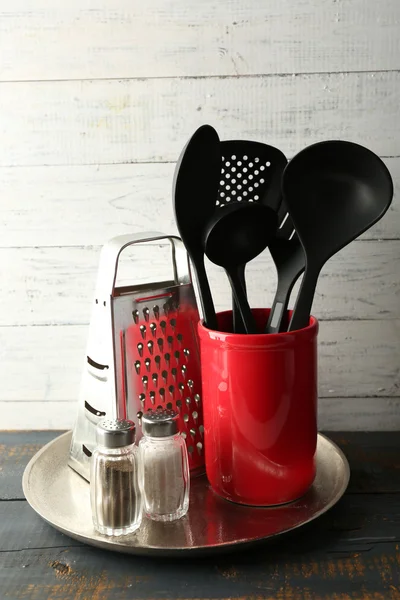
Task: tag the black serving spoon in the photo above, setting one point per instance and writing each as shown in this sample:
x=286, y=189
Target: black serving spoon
x=234, y=236
x=290, y=261
x=195, y=190
x=250, y=172
x=334, y=191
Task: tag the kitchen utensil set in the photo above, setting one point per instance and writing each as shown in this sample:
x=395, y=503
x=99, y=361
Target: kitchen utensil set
x=230, y=195
x=244, y=402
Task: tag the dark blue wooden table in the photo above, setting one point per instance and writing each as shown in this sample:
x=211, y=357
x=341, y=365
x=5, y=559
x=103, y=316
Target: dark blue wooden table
x=351, y=552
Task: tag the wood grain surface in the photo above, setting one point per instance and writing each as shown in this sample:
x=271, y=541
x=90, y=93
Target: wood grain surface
x=86, y=205
x=149, y=120
x=53, y=286
x=352, y=552
x=179, y=38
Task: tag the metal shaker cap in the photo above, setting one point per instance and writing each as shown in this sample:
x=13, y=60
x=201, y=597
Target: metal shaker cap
x=162, y=422
x=115, y=433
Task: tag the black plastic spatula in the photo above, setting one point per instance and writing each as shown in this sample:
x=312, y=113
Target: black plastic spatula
x=195, y=192
x=251, y=172
x=334, y=191
x=290, y=261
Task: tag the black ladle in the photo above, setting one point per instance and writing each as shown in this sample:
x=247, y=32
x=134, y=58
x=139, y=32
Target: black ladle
x=290, y=261
x=195, y=190
x=234, y=236
x=334, y=191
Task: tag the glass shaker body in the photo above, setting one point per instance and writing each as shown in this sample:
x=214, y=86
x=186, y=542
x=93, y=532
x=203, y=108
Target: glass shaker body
x=164, y=477
x=114, y=490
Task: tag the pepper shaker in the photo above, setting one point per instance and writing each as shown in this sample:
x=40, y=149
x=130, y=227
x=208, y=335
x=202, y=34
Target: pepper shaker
x=114, y=483
x=163, y=457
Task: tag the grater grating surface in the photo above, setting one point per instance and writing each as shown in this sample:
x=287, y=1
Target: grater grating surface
x=162, y=365
x=142, y=351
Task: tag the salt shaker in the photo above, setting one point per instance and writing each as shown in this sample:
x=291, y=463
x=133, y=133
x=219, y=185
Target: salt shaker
x=165, y=479
x=114, y=482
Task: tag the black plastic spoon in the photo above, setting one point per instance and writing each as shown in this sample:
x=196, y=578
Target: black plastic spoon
x=195, y=190
x=235, y=235
x=334, y=191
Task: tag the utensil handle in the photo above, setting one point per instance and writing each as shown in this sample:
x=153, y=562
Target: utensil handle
x=111, y=252
x=238, y=326
x=241, y=301
x=276, y=319
x=302, y=309
x=206, y=301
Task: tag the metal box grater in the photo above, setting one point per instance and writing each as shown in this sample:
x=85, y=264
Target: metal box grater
x=142, y=352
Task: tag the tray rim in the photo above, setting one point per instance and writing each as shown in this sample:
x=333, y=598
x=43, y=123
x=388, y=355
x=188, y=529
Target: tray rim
x=114, y=544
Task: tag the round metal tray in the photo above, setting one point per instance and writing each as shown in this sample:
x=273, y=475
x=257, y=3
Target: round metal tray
x=61, y=497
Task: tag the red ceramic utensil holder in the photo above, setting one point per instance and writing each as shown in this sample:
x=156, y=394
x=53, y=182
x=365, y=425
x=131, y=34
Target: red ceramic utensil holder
x=259, y=410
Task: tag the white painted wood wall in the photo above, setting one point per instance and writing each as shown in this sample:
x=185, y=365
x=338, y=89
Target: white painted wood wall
x=97, y=98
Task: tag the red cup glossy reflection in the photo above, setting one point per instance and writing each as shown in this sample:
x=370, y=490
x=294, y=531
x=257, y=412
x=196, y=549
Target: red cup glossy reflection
x=260, y=411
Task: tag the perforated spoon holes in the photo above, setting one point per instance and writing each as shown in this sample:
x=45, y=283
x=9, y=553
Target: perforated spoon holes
x=244, y=177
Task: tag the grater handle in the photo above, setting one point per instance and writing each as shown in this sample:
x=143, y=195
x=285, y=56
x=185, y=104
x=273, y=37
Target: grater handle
x=111, y=252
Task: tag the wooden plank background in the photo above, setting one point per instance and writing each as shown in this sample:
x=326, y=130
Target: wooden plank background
x=149, y=120
x=97, y=100
x=121, y=38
